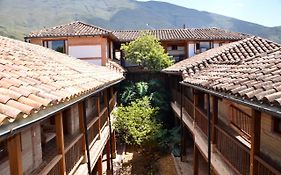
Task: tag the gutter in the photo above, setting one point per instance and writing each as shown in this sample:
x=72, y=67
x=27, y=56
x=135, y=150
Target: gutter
x=276, y=111
x=22, y=124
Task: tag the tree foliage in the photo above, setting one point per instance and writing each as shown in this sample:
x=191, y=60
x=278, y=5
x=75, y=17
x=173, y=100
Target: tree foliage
x=147, y=52
x=136, y=123
x=153, y=89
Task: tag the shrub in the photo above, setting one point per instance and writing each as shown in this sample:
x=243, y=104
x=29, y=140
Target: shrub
x=136, y=123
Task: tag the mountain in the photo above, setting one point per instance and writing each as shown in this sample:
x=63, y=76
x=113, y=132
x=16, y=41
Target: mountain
x=20, y=17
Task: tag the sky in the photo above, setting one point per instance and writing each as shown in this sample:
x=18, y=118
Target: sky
x=264, y=12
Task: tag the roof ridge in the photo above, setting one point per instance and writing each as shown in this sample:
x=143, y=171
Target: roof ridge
x=91, y=25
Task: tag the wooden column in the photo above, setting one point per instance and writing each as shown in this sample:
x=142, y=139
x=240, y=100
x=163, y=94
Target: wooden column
x=108, y=167
x=214, y=119
x=195, y=102
x=255, y=139
x=98, y=113
x=195, y=160
x=15, y=155
x=82, y=130
x=60, y=141
x=113, y=145
x=185, y=50
x=105, y=97
x=100, y=165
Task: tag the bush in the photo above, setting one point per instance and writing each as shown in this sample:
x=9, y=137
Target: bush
x=136, y=123
x=147, y=52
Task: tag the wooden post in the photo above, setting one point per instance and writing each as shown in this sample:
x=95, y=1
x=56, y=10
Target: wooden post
x=185, y=50
x=195, y=160
x=60, y=141
x=214, y=119
x=113, y=145
x=98, y=113
x=105, y=97
x=100, y=165
x=195, y=103
x=82, y=130
x=255, y=139
x=15, y=155
x=108, y=167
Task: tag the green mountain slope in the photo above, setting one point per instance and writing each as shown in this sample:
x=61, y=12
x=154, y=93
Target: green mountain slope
x=20, y=17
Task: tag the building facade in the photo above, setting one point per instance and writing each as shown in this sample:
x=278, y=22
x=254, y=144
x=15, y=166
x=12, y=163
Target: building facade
x=55, y=112
x=229, y=103
x=80, y=40
x=97, y=45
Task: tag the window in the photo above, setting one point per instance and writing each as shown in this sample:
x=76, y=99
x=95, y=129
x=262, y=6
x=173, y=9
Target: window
x=202, y=46
x=57, y=45
x=277, y=125
x=3, y=150
x=174, y=47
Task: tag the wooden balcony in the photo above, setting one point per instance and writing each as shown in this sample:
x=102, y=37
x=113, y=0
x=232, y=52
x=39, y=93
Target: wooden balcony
x=98, y=134
x=232, y=143
x=201, y=120
x=188, y=106
x=265, y=168
x=241, y=121
x=235, y=153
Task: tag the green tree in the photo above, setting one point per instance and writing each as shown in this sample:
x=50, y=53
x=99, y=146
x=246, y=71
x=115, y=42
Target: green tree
x=147, y=52
x=136, y=123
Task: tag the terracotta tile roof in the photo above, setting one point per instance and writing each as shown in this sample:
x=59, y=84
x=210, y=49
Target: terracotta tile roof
x=247, y=69
x=180, y=34
x=76, y=28
x=34, y=78
x=227, y=54
x=256, y=79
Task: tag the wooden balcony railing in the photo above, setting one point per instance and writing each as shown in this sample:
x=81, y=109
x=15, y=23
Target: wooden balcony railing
x=201, y=120
x=188, y=106
x=103, y=118
x=241, y=120
x=93, y=131
x=264, y=168
x=73, y=154
x=54, y=170
x=176, y=96
x=235, y=154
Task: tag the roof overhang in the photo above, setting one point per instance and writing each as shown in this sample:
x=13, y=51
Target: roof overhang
x=20, y=125
x=272, y=110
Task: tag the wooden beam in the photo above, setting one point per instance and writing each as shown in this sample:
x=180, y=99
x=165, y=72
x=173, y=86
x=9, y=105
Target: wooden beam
x=100, y=165
x=195, y=160
x=195, y=102
x=105, y=97
x=15, y=155
x=98, y=113
x=113, y=144
x=255, y=140
x=82, y=130
x=214, y=119
x=185, y=50
x=108, y=165
x=60, y=141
